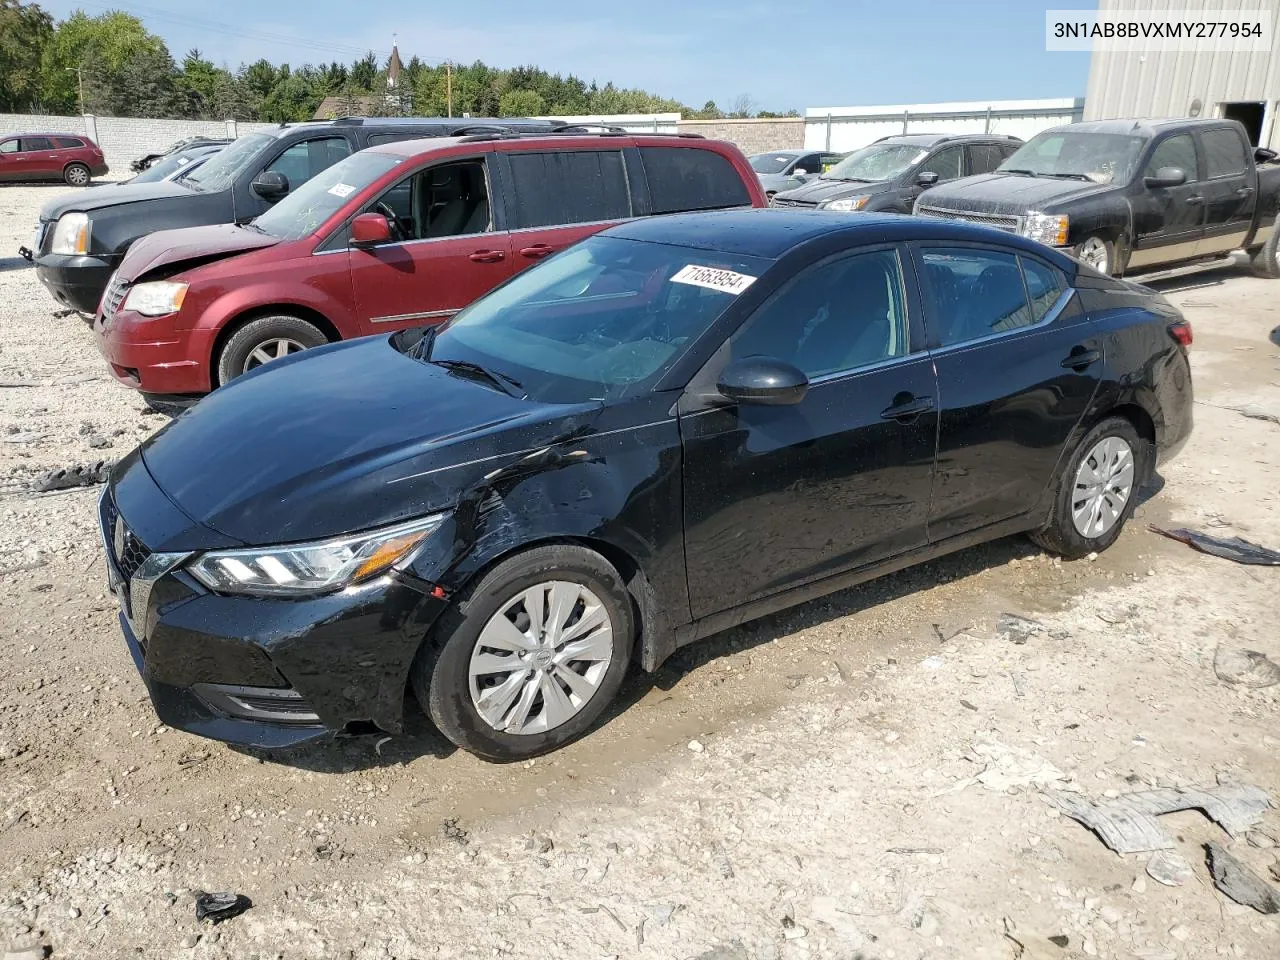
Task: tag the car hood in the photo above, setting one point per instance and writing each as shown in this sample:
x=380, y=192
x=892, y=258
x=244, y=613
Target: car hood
x=344, y=438
x=110, y=195
x=818, y=190
x=1010, y=193
x=205, y=244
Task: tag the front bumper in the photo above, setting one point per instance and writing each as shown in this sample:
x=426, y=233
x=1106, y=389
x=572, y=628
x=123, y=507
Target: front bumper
x=75, y=282
x=151, y=356
x=264, y=672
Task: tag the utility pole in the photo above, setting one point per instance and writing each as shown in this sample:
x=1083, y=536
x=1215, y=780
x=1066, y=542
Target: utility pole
x=448, y=85
x=79, y=72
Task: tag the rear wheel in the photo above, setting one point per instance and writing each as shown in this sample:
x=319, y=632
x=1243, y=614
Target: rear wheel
x=529, y=658
x=1098, y=253
x=1266, y=260
x=1096, y=491
x=264, y=340
x=76, y=174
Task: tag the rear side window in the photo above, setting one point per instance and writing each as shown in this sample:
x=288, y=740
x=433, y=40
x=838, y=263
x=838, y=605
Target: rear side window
x=687, y=178
x=984, y=157
x=1045, y=285
x=68, y=143
x=974, y=293
x=1223, y=153
x=304, y=160
x=565, y=187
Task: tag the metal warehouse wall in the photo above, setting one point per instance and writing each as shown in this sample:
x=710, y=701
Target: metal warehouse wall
x=1131, y=83
x=848, y=128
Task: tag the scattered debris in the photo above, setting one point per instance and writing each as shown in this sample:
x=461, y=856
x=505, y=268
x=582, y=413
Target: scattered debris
x=99, y=442
x=1232, y=548
x=660, y=913
x=216, y=907
x=1240, y=883
x=696, y=746
x=24, y=949
x=76, y=475
x=1127, y=823
x=1255, y=412
x=1017, y=629
x=721, y=860
x=1246, y=668
x=932, y=663
x=1060, y=940
x=1169, y=868
x=29, y=437
x=968, y=706
x=450, y=830
x=1008, y=767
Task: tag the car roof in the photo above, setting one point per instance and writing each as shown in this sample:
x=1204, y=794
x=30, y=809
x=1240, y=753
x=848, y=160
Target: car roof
x=929, y=139
x=42, y=133
x=785, y=153
x=1137, y=127
x=771, y=233
x=422, y=146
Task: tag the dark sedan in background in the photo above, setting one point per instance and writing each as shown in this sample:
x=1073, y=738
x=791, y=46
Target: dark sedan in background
x=788, y=169
x=677, y=425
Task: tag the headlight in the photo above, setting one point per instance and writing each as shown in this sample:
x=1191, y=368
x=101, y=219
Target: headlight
x=1047, y=228
x=156, y=299
x=307, y=568
x=71, y=234
x=846, y=204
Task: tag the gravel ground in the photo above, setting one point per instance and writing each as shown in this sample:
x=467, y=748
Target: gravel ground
x=799, y=787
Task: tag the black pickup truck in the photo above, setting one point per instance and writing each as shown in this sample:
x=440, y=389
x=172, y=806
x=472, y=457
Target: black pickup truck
x=82, y=237
x=1126, y=196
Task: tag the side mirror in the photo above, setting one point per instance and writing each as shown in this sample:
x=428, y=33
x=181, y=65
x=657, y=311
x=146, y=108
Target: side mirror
x=270, y=185
x=1167, y=177
x=799, y=172
x=927, y=179
x=763, y=381
x=369, y=230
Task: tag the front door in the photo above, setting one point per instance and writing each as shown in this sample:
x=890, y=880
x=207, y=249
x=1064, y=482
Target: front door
x=1230, y=195
x=297, y=163
x=776, y=497
x=1018, y=364
x=444, y=252
x=1168, y=221
x=11, y=159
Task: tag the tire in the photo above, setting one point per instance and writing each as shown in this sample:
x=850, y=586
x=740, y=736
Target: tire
x=1266, y=261
x=1099, y=253
x=442, y=678
x=76, y=175
x=238, y=353
x=1062, y=535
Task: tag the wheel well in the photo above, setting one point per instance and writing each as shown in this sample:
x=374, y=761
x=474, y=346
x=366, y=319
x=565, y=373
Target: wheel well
x=280, y=309
x=1143, y=423
x=74, y=163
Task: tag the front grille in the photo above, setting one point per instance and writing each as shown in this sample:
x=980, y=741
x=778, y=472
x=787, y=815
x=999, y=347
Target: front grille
x=1009, y=224
x=779, y=202
x=127, y=550
x=111, y=300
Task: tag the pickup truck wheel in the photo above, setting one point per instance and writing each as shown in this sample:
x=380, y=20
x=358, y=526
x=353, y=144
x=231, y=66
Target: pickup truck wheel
x=1097, y=253
x=1266, y=261
x=76, y=174
x=263, y=340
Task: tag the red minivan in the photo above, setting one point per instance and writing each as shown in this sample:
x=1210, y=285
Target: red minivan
x=401, y=234
x=51, y=156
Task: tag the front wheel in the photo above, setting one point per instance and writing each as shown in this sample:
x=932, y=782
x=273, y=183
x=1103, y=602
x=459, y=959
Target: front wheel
x=1097, y=491
x=76, y=174
x=1266, y=260
x=529, y=658
x=264, y=340
x=1098, y=253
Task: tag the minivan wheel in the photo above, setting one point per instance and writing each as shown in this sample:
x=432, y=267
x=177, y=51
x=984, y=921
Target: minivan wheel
x=1097, y=491
x=1266, y=260
x=76, y=174
x=528, y=658
x=264, y=340
x=1097, y=253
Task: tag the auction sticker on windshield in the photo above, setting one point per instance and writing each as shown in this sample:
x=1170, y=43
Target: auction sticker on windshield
x=342, y=190
x=713, y=278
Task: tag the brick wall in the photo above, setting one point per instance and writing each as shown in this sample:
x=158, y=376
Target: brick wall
x=751, y=136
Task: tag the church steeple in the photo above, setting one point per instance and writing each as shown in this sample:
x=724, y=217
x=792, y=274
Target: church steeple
x=394, y=65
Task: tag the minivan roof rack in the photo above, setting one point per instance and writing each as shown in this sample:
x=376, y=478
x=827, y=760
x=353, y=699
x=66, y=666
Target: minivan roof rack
x=572, y=131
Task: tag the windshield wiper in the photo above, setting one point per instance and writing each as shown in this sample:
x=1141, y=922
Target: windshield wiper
x=422, y=349
x=250, y=225
x=1071, y=176
x=506, y=384
x=1025, y=173
x=849, y=179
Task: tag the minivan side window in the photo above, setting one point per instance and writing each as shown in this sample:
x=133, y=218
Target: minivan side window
x=1179, y=151
x=563, y=187
x=689, y=178
x=447, y=200
x=974, y=293
x=1223, y=153
x=305, y=159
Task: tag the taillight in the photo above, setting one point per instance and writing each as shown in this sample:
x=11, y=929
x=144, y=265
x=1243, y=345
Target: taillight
x=1181, y=332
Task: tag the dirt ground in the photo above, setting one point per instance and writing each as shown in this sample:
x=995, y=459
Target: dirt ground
x=800, y=787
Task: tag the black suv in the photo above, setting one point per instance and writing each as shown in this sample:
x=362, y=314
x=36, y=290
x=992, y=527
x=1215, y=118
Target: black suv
x=891, y=173
x=82, y=237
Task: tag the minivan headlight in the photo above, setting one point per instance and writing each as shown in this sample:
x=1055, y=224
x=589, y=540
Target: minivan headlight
x=847, y=204
x=158, y=298
x=71, y=234
x=307, y=568
x=1047, y=228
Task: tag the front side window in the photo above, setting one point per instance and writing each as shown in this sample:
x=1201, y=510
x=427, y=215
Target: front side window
x=770, y=162
x=690, y=178
x=1223, y=153
x=304, y=160
x=222, y=169
x=1179, y=151
x=810, y=164
x=304, y=210
x=1072, y=155
x=834, y=316
x=562, y=187
x=30, y=144
x=449, y=200
x=974, y=293
x=945, y=163
x=9, y=146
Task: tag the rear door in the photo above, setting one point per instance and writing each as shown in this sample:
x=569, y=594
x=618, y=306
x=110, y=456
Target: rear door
x=447, y=248
x=1018, y=364
x=554, y=198
x=1168, y=222
x=1229, y=190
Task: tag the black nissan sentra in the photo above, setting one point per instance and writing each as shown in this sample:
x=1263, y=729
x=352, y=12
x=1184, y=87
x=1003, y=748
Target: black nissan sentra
x=672, y=427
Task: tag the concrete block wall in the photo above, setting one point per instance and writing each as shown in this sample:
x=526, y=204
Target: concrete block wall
x=751, y=136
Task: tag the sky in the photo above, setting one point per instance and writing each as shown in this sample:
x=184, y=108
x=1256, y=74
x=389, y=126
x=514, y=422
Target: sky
x=781, y=54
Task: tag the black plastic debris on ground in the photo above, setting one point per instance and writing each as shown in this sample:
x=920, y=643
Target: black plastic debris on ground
x=77, y=475
x=1229, y=548
x=1240, y=883
x=1017, y=630
x=216, y=907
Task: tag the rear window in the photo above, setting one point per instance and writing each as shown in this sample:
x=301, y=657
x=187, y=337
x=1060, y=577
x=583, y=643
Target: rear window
x=1223, y=153
x=564, y=187
x=687, y=178
x=68, y=143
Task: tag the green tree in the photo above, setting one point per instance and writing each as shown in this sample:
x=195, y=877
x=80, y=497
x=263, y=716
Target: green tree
x=145, y=84
x=99, y=46
x=25, y=29
x=521, y=103
x=198, y=85
x=364, y=72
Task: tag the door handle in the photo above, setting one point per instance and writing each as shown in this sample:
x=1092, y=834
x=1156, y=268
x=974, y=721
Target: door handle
x=1193, y=200
x=1080, y=358
x=906, y=408
x=537, y=251
x=486, y=256
x=1245, y=192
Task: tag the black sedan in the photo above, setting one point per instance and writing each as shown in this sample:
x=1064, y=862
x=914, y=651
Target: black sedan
x=677, y=425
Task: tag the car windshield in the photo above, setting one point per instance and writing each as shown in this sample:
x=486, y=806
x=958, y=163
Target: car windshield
x=1068, y=154
x=221, y=170
x=600, y=321
x=303, y=211
x=770, y=162
x=880, y=161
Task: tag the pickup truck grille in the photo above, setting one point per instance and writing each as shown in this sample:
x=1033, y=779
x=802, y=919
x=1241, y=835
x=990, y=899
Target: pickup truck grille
x=111, y=300
x=1009, y=224
x=803, y=204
